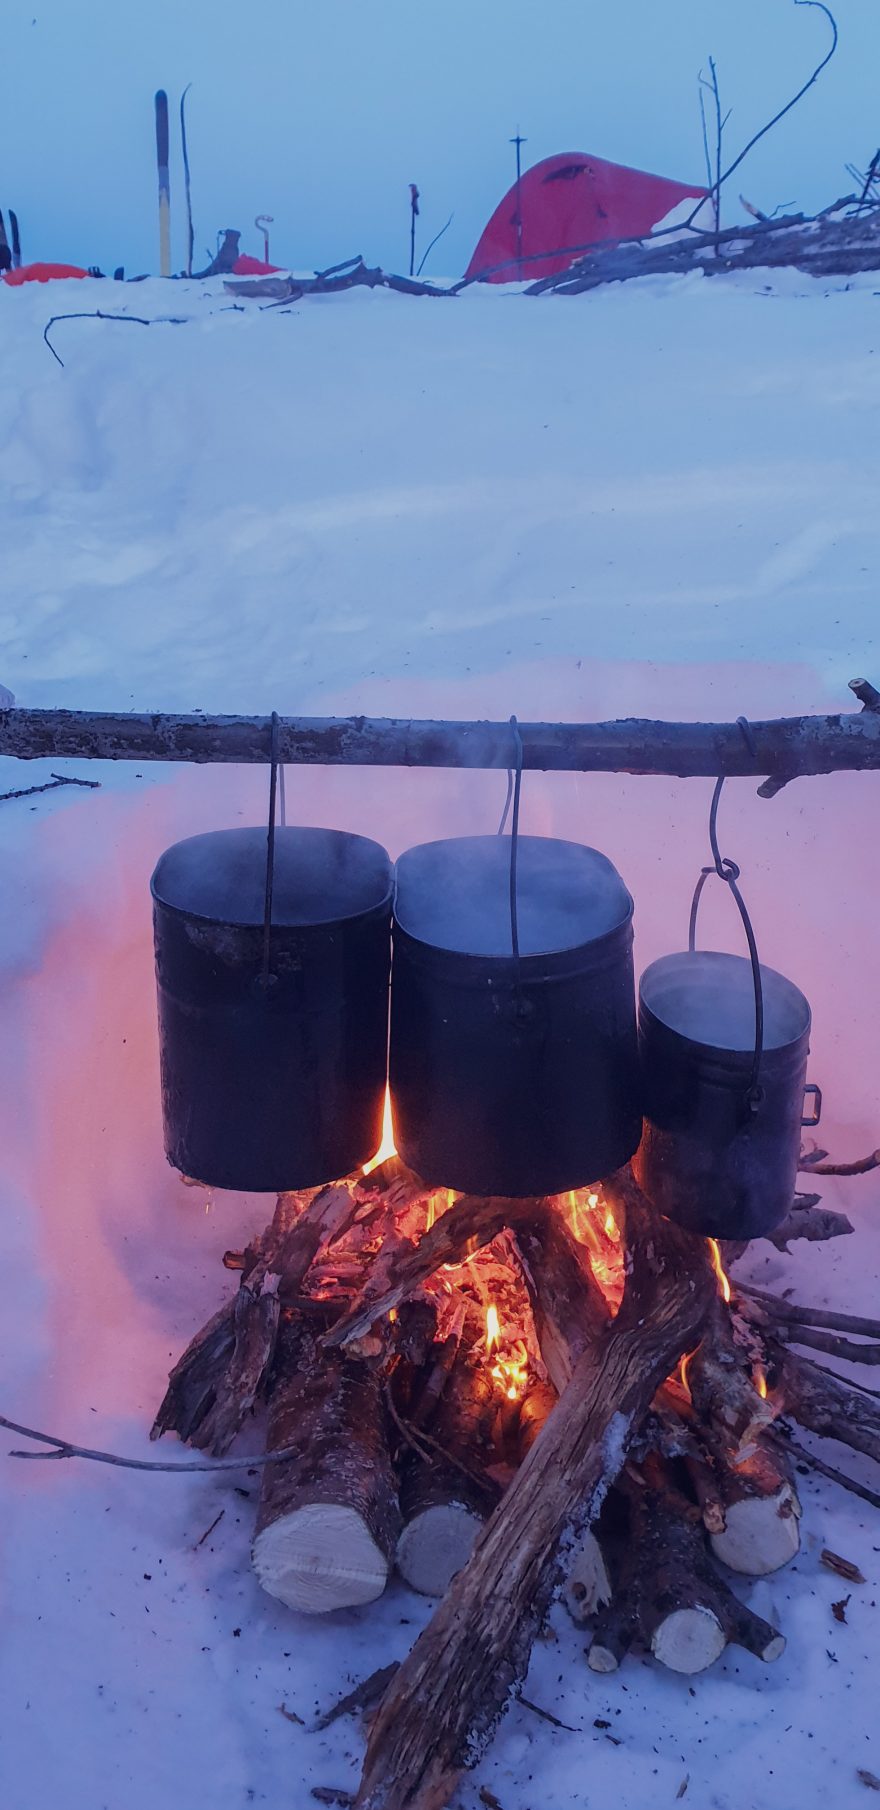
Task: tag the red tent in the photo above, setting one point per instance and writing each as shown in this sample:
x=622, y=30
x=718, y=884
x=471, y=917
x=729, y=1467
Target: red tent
x=570, y=202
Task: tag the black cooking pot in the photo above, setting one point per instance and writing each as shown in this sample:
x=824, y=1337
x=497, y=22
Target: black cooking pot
x=273, y=1070
x=513, y=1076
x=721, y=1141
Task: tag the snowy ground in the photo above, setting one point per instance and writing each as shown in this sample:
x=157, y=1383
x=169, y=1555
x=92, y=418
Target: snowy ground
x=660, y=500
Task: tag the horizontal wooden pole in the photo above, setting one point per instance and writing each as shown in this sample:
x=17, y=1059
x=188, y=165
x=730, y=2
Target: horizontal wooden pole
x=778, y=750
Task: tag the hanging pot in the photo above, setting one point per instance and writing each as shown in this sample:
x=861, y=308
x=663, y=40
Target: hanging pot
x=513, y=1074
x=724, y=1049
x=272, y=1033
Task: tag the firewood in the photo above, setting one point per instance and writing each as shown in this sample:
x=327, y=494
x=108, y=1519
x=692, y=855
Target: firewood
x=442, y=1504
x=471, y=1223
x=667, y=1595
x=328, y=1517
x=444, y=1702
x=215, y=1384
x=568, y=1307
x=761, y=1511
x=824, y=1403
x=809, y=1221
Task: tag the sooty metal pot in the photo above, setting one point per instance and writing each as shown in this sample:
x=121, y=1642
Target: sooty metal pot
x=513, y=1076
x=273, y=1051
x=717, y=1154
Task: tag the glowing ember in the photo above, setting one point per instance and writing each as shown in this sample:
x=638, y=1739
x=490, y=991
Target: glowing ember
x=493, y=1328
x=611, y=1227
x=718, y=1267
x=760, y=1381
x=387, y=1147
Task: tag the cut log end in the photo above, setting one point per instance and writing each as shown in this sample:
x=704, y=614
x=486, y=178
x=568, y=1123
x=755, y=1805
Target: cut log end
x=761, y=1533
x=587, y=1586
x=689, y=1640
x=435, y=1545
x=320, y=1557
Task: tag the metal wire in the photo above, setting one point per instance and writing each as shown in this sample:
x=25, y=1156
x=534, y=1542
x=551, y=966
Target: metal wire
x=514, y=837
x=728, y=871
x=270, y=848
x=503, y=824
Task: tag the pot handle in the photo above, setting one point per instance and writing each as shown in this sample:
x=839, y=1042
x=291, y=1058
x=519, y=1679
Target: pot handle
x=729, y=873
x=816, y=1092
x=270, y=849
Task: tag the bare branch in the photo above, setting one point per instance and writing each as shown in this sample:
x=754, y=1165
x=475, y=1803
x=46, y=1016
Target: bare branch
x=64, y=1448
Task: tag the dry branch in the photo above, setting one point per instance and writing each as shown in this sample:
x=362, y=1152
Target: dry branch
x=784, y=748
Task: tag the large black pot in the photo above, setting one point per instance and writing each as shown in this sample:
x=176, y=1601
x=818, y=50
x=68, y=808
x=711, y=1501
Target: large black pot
x=272, y=1081
x=513, y=1077
x=716, y=1155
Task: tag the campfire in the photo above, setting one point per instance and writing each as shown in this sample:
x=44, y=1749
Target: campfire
x=497, y=1396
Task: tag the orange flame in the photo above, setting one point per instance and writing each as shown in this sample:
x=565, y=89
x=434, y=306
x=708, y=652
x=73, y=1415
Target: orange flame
x=760, y=1381
x=683, y=1370
x=387, y=1147
x=718, y=1267
x=511, y=1368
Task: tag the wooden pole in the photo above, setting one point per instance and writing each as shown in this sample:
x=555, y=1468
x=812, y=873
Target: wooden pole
x=776, y=750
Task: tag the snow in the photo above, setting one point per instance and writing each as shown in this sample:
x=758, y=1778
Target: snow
x=656, y=500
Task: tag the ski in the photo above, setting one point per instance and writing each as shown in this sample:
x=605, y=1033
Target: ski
x=164, y=183
x=189, y=212
x=16, y=240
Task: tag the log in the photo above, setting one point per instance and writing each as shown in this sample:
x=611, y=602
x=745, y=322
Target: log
x=568, y=1307
x=442, y=1706
x=761, y=1510
x=216, y=1383
x=811, y=1222
x=328, y=1517
x=442, y=1504
x=667, y=1596
x=824, y=1403
x=781, y=749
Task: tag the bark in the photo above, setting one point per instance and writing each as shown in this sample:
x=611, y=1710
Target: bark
x=443, y=1704
x=825, y=1404
x=668, y=1597
x=781, y=749
x=328, y=1517
x=224, y=1369
x=568, y=1307
x=442, y=1504
x=761, y=1510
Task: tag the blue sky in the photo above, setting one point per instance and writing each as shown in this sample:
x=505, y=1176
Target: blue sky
x=321, y=114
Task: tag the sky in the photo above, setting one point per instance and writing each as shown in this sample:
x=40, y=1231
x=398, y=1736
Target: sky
x=322, y=114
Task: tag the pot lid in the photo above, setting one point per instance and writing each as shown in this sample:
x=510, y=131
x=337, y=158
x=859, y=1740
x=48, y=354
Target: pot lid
x=709, y=998
x=455, y=895
x=321, y=876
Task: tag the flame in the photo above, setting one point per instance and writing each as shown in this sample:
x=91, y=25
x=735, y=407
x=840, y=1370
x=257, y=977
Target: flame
x=683, y=1370
x=511, y=1368
x=718, y=1267
x=387, y=1147
x=760, y=1381
x=611, y=1227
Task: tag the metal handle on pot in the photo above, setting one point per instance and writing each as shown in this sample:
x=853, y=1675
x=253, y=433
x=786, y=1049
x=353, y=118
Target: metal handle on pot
x=270, y=849
x=816, y=1092
x=729, y=873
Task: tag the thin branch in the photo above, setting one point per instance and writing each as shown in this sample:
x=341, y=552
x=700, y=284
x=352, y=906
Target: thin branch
x=722, y=178
x=52, y=784
x=862, y=1167
x=97, y=314
x=437, y=236
x=791, y=1314
x=826, y=1470
x=64, y=1448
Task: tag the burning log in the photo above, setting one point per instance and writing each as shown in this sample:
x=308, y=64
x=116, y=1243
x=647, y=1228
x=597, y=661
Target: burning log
x=455, y=1682
x=442, y=1501
x=328, y=1518
x=568, y=1306
x=668, y=1596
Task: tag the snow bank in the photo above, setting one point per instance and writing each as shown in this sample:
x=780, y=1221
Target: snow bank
x=658, y=501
